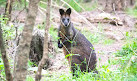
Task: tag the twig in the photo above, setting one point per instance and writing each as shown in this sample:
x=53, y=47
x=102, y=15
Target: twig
x=79, y=5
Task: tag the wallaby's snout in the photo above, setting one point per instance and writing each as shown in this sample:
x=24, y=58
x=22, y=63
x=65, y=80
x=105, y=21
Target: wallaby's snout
x=65, y=21
x=65, y=17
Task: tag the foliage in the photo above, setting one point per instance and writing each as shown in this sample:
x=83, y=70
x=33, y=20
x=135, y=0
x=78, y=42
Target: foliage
x=97, y=38
x=132, y=12
x=105, y=74
x=128, y=48
x=30, y=78
x=2, y=3
x=8, y=30
x=89, y=6
x=92, y=37
x=73, y=4
x=54, y=33
x=19, y=4
x=128, y=51
x=2, y=72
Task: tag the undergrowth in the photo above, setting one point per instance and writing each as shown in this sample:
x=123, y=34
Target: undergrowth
x=132, y=12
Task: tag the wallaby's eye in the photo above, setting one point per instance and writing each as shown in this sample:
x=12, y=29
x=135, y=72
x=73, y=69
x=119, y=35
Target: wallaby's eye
x=63, y=19
x=68, y=19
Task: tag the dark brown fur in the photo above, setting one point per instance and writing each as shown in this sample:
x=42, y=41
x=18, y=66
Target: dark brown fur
x=81, y=49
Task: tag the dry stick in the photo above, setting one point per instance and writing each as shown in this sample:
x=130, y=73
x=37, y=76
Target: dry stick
x=40, y=9
x=5, y=58
x=20, y=11
x=18, y=14
x=45, y=52
x=79, y=5
x=56, y=5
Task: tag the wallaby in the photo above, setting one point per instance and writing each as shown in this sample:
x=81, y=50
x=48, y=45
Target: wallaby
x=76, y=47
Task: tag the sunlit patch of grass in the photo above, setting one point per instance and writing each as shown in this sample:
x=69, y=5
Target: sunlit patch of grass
x=132, y=12
x=30, y=78
x=92, y=37
x=127, y=53
x=89, y=6
x=108, y=41
x=54, y=33
x=105, y=74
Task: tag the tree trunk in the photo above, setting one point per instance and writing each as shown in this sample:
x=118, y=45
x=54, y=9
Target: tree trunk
x=4, y=58
x=23, y=49
x=45, y=52
x=8, y=9
x=116, y=5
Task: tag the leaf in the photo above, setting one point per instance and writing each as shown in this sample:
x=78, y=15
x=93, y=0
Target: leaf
x=71, y=55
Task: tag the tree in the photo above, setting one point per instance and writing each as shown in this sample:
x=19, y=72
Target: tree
x=20, y=69
x=116, y=5
x=8, y=9
x=45, y=49
x=4, y=57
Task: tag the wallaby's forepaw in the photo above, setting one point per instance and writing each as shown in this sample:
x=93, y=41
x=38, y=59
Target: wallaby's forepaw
x=60, y=45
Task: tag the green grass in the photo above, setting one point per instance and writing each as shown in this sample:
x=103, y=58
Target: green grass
x=128, y=51
x=30, y=78
x=80, y=5
x=19, y=5
x=54, y=33
x=2, y=3
x=132, y=12
x=8, y=30
x=105, y=74
x=108, y=41
x=92, y=37
x=73, y=5
x=2, y=71
x=89, y=6
x=105, y=71
x=96, y=38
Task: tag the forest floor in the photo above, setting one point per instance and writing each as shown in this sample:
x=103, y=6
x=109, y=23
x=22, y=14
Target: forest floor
x=112, y=41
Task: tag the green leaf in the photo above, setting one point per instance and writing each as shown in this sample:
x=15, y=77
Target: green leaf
x=71, y=55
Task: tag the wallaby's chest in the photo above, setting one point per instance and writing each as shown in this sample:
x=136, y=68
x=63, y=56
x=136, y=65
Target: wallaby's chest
x=66, y=33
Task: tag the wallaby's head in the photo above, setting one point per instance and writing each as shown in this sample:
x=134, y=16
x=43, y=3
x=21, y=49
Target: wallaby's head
x=65, y=17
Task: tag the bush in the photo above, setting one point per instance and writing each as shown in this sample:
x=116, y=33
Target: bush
x=128, y=60
x=128, y=48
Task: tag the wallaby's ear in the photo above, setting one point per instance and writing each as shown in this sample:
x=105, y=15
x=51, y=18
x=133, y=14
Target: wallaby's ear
x=68, y=11
x=61, y=11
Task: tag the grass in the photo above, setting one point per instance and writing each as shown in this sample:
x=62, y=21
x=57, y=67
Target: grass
x=89, y=6
x=106, y=73
x=2, y=3
x=2, y=72
x=30, y=78
x=132, y=12
x=79, y=4
x=96, y=38
x=92, y=37
x=108, y=41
